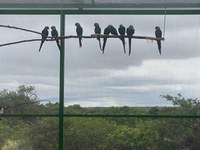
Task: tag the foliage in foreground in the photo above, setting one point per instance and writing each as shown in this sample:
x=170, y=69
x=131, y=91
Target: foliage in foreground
x=36, y=133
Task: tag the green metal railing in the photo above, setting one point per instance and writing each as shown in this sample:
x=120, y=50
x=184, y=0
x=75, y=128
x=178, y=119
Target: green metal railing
x=102, y=116
x=62, y=14
x=102, y=12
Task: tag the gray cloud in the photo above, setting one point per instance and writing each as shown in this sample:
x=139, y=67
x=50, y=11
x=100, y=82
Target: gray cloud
x=93, y=79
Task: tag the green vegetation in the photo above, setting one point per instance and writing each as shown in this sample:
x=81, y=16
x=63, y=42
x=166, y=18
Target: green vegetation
x=41, y=133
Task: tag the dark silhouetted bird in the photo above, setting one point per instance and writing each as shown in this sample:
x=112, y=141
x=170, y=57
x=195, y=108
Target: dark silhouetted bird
x=54, y=34
x=97, y=30
x=122, y=31
x=45, y=34
x=158, y=34
x=130, y=31
x=113, y=30
x=79, y=32
x=107, y=31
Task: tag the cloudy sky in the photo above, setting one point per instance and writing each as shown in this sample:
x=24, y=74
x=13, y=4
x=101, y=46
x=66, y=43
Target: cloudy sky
x=112, y=79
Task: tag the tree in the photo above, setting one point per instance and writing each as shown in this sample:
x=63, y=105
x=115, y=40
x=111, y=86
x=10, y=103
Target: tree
x=182, y=133
x=15, y=129
x=87, y=133
x=22, y=101
x=43, y=134
x=5, y=132
x=187, y=106
x=142, y=137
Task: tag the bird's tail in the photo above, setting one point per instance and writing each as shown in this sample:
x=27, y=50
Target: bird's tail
x=80, y=43
x=129, y=41
x=41, y=45
x=159, y=46
x=104, y=44
x=58, y=44
x=123, y=42
x=99, y=43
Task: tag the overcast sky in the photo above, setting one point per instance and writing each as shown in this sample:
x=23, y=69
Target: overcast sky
x=112, y=79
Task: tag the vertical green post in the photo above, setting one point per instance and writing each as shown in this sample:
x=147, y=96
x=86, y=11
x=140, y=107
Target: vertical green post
x=62, y=78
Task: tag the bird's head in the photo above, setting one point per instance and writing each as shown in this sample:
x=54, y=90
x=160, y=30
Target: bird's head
x=108, y=27
x=77, y=24
x=131, y=26
x=96, y=24
x=157, y=28
x=46, y=27
x=53, y=27
x=121, y=25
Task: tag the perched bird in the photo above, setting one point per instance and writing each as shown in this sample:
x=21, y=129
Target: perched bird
x=79, y=31
x=130, y=31
x=54, y=34
x=122, y=31
x=45, y=34
x=158, y=34
x=97, y=30
x=107, y=31
x=113, y=30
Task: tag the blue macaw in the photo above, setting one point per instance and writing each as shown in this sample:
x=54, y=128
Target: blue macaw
x=45, y=34
x=107, y=31
x=54, y=34
x=97, y=30
x=122, y=31
x=79, y=32
x=130, y=31
x=158, y=34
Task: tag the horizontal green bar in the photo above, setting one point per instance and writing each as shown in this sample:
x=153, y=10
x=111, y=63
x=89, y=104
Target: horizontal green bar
x=29, y=115
x=131, y=116
x=98, y=5
x=29, y=12
x=100, y=12
x=132, y=12
x=102, y=115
